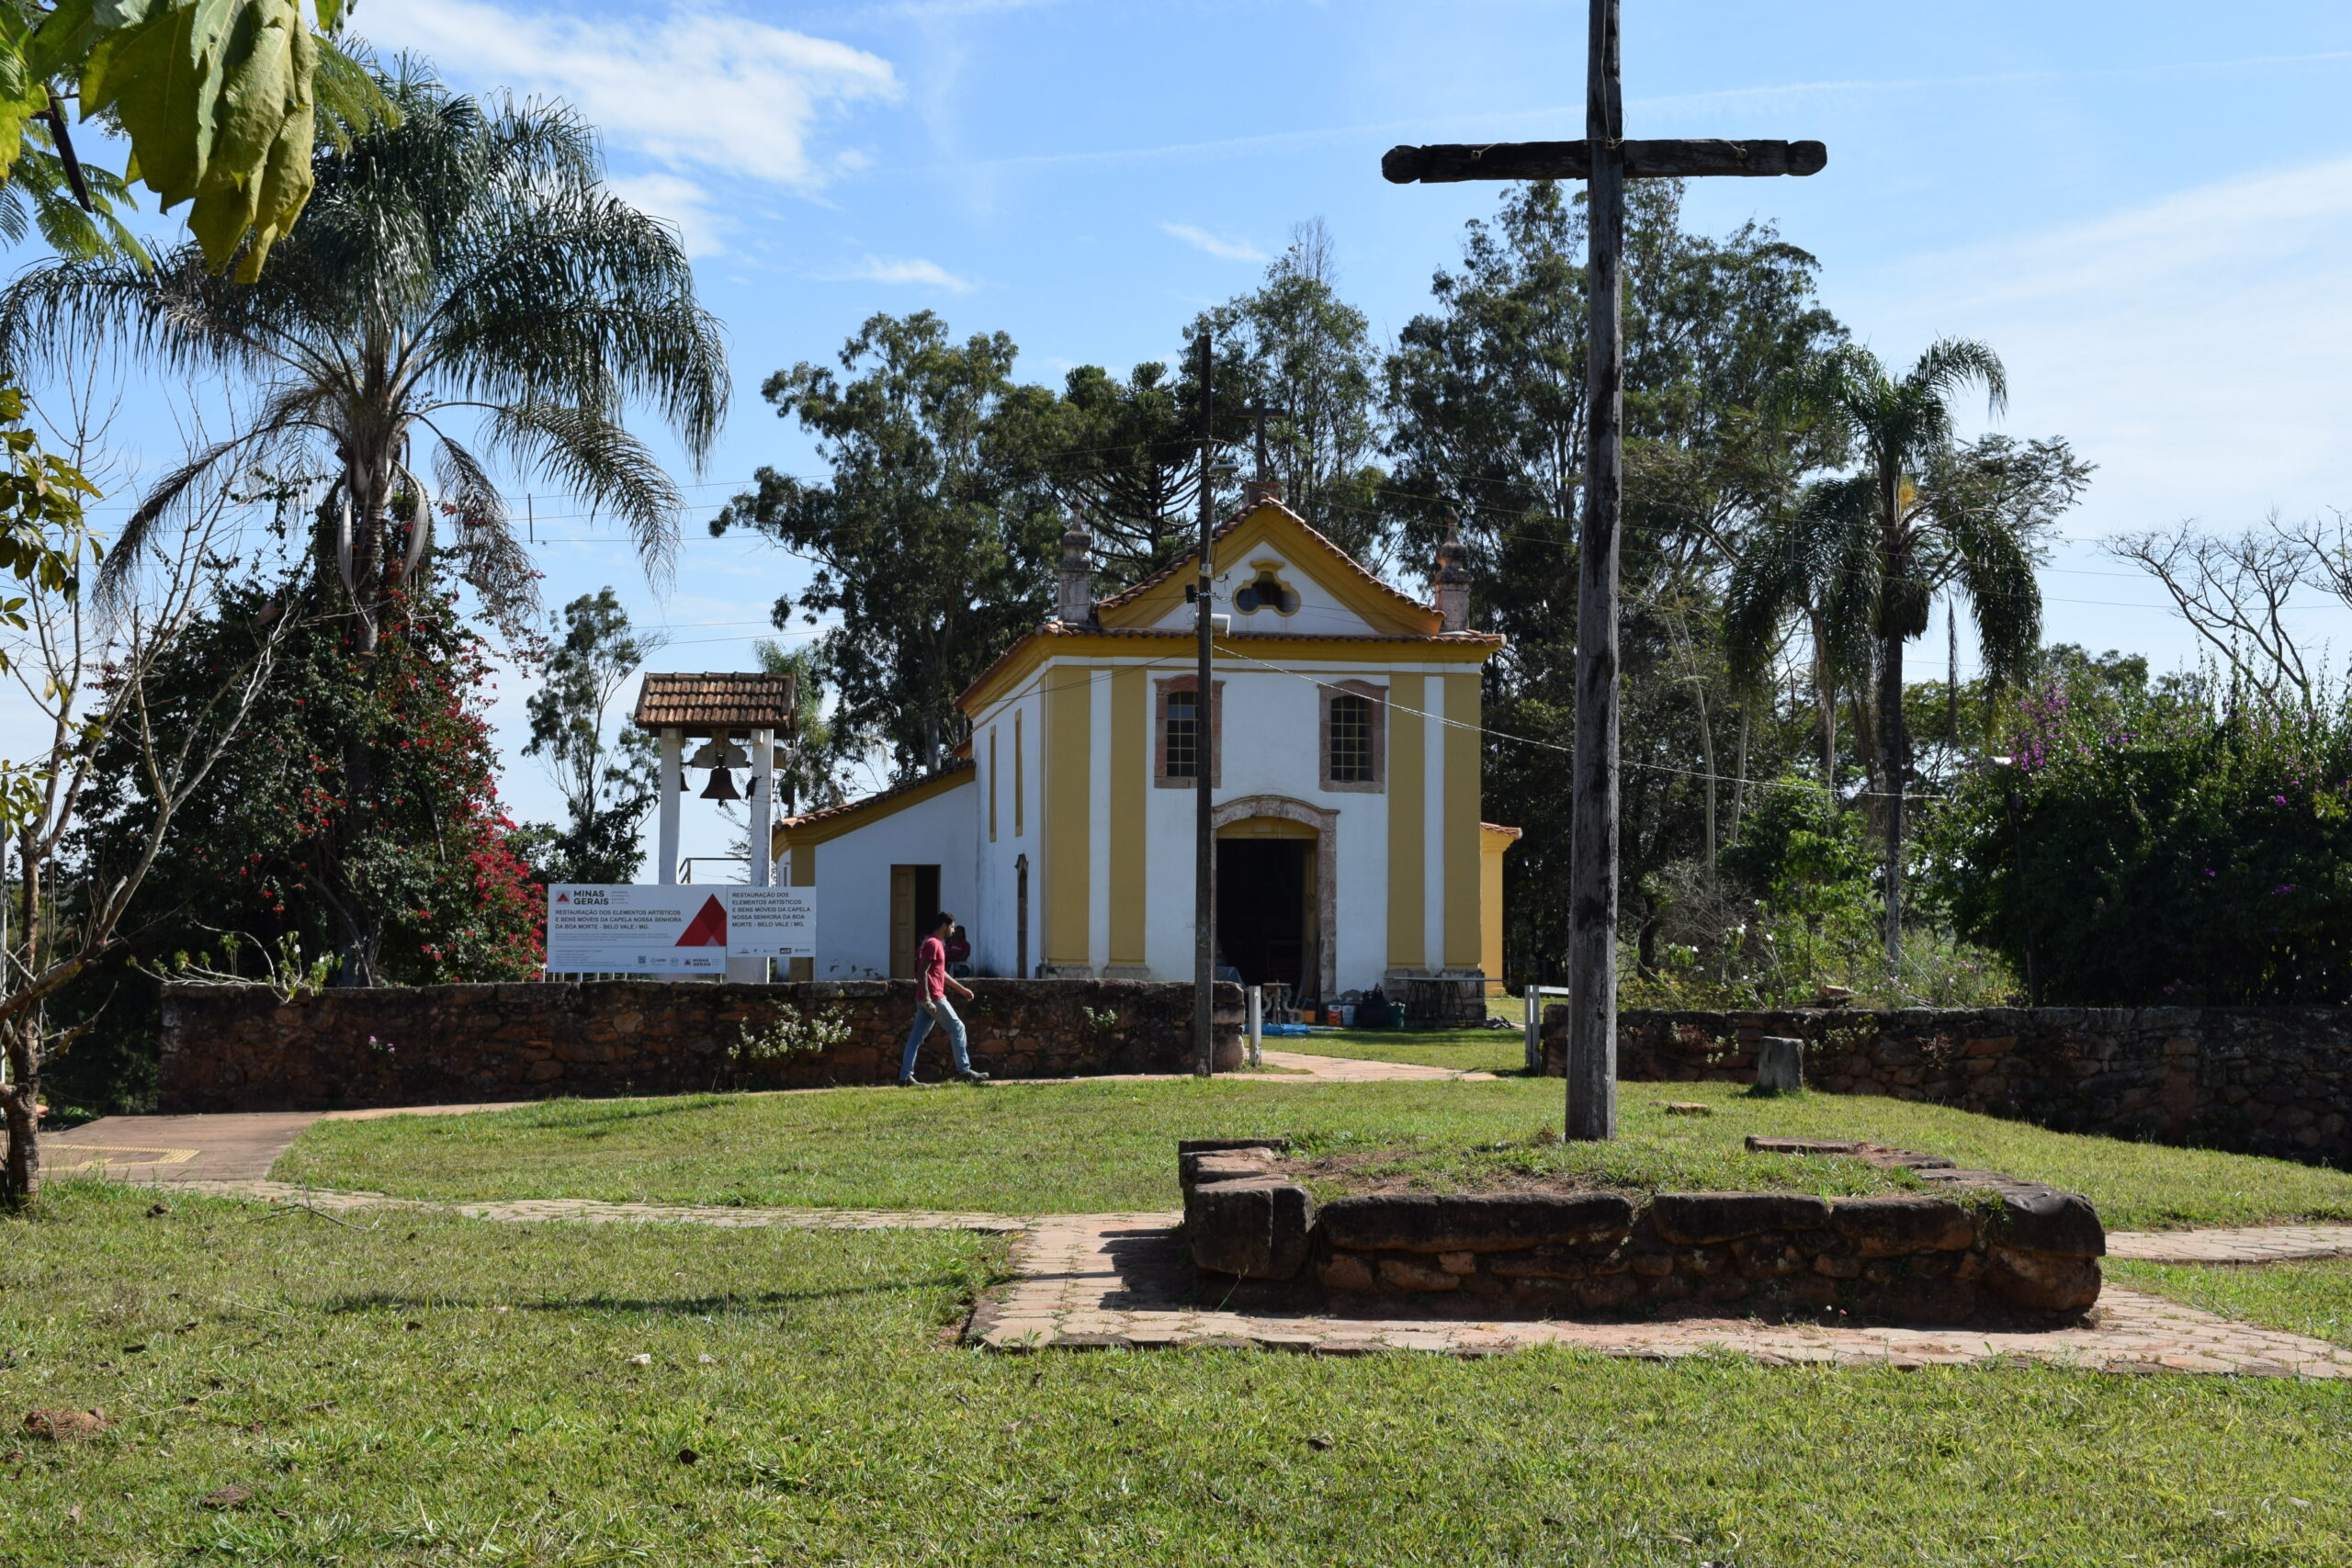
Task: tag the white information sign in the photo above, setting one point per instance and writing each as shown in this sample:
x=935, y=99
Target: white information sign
x=771, y=922
x=675, y=929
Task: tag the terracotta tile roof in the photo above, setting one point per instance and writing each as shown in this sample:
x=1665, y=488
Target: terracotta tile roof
x=1145, y=584
x=963, y=765
x=701, y=702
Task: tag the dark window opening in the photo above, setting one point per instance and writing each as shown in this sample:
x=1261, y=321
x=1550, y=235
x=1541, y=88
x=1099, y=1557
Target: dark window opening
x=1183, y=736
x=1351, y=739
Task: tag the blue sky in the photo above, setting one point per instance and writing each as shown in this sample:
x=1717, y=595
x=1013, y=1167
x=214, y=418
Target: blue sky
x=2145, y=207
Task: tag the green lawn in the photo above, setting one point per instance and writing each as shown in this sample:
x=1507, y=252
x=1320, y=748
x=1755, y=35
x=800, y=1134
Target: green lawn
x=1464, y=1050
x=1049, y=1149
x=362, y=1379
x=2303, y=1298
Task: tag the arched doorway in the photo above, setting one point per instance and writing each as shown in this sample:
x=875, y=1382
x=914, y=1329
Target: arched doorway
x=1277, y=894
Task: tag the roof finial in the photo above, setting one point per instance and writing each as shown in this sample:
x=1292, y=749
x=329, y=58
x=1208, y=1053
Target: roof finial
x=1453, y=578
x=1074, y=604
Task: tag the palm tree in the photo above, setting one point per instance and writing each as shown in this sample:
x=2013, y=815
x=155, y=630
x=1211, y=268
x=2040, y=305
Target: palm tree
x=1929, y=522
x=465, y=269
x=1807, y=561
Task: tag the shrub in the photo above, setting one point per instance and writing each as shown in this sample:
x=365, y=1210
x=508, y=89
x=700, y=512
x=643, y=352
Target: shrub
x=2167, y=847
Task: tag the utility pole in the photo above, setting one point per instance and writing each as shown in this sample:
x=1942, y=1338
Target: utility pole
x=1606, y=161
x=1203, y=755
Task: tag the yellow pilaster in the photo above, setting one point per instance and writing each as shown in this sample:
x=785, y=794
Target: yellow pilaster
x=1460, y=823
x=1066, y=791
x=1130, y=784
x=1408, y=812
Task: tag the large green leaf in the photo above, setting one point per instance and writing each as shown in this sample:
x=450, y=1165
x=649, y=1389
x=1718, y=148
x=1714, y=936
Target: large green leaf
x=216, y=98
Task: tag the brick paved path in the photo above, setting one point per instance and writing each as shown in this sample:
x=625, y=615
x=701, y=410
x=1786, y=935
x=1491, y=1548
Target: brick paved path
x=1104, y=1280
x=589, y=1211
x=2259, y=1243
x=1350, y=1070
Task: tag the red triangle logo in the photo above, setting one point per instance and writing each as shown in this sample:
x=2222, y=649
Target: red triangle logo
x=563, y=897
x=708, y=928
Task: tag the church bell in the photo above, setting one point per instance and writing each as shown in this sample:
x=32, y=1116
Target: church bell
x=721, y=787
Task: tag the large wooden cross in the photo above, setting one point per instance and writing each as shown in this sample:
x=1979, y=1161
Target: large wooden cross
x=1607, y=161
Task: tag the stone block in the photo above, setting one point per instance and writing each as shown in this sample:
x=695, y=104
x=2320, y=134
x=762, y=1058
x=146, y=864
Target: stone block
x=1780, y=1065
x=1343, y=1272
x=2045, y=1281
x=1258, y=1229
x=1889, y=1228
x=1475, y=1222
x=1410, y=1274
x=1195, y=1167
x=1695, y=1218
x=2042, y=1219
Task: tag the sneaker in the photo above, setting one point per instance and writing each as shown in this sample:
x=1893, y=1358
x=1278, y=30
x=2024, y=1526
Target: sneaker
x=970, y=1077
x=911, y=1083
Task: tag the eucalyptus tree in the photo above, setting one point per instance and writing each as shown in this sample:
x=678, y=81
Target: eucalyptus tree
x=464, y=269
x=1935, y=513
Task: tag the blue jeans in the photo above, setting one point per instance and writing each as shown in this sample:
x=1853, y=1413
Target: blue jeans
x=943, y=1014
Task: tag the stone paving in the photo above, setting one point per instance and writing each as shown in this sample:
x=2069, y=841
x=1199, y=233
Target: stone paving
x=589, y=1211
x=1350, y=1070
x=1100, y=1281
x=2258, y=1244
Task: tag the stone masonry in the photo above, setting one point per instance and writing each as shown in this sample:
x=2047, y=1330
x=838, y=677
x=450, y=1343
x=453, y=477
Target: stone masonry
x=241, y=1048
x=1981, y=1242
x=2269, y=1080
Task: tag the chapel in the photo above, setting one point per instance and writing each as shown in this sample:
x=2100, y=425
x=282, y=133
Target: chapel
x=1342, y=747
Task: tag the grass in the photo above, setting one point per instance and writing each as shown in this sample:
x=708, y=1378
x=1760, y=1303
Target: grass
x=1088, y=1147
x=1463, y=1050
x=363, y=1383
x=2313, y=1297
x=1664, y=1154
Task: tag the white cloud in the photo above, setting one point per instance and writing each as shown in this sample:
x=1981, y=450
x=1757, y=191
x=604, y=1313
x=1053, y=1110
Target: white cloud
x=2193, y=346
x=904, y=269
x=1218, y=245
x=692, y=88
x=675, y=199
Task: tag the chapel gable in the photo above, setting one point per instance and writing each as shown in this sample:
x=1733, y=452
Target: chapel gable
x=1275, y=574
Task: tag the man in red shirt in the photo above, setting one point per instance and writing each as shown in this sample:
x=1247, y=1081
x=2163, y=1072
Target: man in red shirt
x=932, y=1006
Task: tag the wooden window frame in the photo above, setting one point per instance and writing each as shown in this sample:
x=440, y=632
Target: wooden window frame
x=1378, y=697
x=1191, y=683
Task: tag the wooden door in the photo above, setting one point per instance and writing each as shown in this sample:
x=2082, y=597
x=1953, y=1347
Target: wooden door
x=902, y=922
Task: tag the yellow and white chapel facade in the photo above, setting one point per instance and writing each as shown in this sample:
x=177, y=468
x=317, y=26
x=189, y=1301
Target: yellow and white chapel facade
x=1342, y=747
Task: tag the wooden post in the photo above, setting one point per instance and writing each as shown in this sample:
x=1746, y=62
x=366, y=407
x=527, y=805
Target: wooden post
x=1592, y=856
x=1204, y=757
x=1607, y=160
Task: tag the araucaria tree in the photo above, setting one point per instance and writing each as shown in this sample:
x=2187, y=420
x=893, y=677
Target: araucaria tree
x=1936, y=515
x=931, y=538
x=464, y=269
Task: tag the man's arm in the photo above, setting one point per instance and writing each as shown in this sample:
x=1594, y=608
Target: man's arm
x=958, y=986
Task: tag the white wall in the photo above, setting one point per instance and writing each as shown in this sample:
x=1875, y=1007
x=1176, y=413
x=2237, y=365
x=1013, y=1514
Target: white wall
x=1272, y=732
x=853, y=880
x=992, y=924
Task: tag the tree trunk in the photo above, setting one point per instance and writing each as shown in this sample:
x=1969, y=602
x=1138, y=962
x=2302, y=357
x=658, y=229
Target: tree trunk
x=20, y=1106
x=1893, y=760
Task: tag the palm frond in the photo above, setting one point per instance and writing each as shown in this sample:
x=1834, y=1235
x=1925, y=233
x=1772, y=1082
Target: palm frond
x=597, y=459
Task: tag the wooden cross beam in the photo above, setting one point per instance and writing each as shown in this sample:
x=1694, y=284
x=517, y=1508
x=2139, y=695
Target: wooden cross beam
x=1449, y=161
x=1607, y=160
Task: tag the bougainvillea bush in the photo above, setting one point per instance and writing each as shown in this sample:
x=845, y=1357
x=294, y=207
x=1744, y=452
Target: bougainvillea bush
x=2172, y=846
x=360, y=813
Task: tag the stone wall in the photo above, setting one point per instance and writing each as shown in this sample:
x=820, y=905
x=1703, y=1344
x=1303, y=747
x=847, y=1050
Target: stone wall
x=2273, y=1080
x=1979, y=1243
x=239, y=1048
